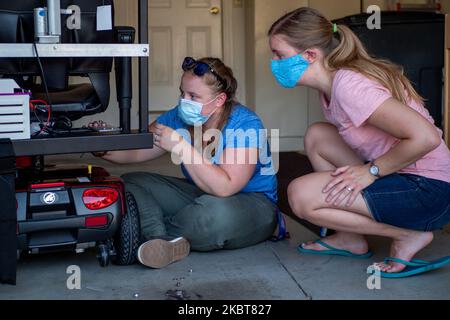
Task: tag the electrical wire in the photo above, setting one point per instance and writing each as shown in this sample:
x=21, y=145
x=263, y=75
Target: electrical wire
x=47, y=103
x=34, y=107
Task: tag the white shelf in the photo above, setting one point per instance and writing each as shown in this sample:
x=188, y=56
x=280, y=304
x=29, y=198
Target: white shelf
x=62, y=50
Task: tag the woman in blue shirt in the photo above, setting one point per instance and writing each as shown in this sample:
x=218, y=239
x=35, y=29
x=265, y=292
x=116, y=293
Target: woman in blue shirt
x=228, y=199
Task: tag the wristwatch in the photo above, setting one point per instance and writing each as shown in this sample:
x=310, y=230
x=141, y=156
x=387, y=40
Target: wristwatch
x=374, y=170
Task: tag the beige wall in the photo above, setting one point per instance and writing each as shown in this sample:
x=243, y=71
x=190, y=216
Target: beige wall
x=234, y=52
x=279, y=108
x=445, y=6
x=336, y=9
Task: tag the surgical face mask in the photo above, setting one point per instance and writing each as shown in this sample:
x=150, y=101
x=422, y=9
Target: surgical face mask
x=191, y=112
x=289, y=71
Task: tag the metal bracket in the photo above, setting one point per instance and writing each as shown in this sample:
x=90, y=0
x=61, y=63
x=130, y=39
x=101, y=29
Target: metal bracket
x=26, y=50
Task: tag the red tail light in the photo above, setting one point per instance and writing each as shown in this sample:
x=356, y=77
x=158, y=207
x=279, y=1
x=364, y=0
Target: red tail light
x=24, y=162
x=96, y=199
x=96, y=222
x=47, y=185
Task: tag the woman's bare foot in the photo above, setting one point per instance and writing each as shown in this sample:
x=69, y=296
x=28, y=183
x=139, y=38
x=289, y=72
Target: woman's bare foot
x=405, y=249
x=354, y=243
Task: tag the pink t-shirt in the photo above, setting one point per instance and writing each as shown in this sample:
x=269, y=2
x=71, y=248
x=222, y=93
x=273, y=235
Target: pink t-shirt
x=354, y=99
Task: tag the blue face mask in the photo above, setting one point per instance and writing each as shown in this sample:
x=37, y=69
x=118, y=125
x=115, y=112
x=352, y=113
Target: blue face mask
x=289, y=71
x=191, y=112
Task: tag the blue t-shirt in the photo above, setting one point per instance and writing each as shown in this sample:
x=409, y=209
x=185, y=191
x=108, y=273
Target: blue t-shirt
x=243, y=130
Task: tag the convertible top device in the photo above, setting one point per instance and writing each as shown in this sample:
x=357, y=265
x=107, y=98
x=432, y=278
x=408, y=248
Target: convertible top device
x=62, y=208
x=47, y=22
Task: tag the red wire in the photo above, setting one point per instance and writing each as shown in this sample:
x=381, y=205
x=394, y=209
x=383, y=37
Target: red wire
x=49, y=110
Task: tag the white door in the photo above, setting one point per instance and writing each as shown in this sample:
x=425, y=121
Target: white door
x=179, y=28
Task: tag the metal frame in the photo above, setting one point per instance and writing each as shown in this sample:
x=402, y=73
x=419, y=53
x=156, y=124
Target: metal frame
x=66, y=50
x=97, y=141
x=82, y=144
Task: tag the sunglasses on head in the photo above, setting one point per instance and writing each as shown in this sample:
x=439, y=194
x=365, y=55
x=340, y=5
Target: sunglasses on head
x=200, y=68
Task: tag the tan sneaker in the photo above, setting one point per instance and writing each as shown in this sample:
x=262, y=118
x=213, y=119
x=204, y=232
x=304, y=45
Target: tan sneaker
x=160, y=253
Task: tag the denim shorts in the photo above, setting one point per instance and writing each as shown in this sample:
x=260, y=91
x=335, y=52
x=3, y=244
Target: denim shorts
x=410, y=202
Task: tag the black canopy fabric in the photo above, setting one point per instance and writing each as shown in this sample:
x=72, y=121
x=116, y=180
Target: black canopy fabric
x=8, y=215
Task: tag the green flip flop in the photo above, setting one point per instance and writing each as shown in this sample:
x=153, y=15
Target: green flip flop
x=333, y=251
x=413, y=267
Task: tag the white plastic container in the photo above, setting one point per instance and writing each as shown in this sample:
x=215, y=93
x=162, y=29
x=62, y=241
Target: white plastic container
x=14, y=111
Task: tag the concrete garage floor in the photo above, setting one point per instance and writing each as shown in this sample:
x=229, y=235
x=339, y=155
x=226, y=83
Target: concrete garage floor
x=269, y=271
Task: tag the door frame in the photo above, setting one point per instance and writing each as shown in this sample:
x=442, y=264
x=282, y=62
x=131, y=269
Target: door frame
x=234, y=36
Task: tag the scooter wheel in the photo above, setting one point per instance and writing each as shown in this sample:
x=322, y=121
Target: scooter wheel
x=103, y=255
x=127, y=239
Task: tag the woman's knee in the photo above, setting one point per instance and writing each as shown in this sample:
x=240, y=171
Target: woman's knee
x=301, y=198
x=214, y=215
x=317, y=134
x=206, y=230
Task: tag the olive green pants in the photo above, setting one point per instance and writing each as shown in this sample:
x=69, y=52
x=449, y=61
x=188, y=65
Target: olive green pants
x=174, y=207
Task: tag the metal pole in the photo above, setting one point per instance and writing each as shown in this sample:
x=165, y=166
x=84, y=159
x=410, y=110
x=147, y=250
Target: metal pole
x=143, y=68
x=54, y=17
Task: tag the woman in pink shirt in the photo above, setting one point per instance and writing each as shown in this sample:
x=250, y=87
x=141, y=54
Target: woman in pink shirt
x=382, y=167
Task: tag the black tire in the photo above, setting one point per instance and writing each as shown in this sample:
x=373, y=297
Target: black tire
x=127, y=239
x=103, y=255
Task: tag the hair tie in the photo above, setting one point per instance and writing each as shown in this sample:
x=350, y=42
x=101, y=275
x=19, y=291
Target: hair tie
x=335, y=28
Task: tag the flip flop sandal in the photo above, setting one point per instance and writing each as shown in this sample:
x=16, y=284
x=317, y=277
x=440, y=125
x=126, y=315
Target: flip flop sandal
x=333, y=251
x=413, y=267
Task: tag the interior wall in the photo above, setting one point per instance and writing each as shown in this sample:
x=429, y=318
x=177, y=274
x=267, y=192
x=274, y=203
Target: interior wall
x=337, y=9
x=250, y=46
x=445, y=6
x=234, y=41
x=279, y=108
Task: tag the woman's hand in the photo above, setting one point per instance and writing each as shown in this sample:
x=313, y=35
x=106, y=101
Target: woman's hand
x=166, y=138
x=98, y=125
x=347, y=183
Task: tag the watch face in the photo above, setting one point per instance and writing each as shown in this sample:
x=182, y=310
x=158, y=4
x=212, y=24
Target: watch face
x=374, y=170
